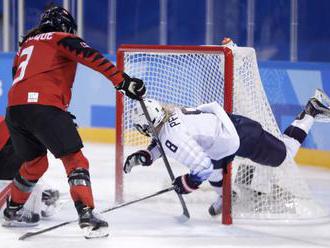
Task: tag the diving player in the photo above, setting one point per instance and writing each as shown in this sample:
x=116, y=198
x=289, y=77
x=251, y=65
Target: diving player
x=206, y=139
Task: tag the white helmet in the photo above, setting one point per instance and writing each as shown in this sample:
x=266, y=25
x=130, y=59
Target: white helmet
x=156, y=112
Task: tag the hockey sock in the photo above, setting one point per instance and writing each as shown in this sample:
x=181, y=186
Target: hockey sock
x=80, y=187
x=17, y=195
x=217, y=186
x=215, y=180
x=26, y=179
x=76, y=166
x=296, y=133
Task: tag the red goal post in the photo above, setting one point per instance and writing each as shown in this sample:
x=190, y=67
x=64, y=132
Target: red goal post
x=228, y=105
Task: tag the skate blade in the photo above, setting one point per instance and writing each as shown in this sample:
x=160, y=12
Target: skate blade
x=89, y=233
x=182, y=218
x=6, y=223
x=322, y=97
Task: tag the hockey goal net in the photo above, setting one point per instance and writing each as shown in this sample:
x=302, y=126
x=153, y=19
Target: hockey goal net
x=190, y=76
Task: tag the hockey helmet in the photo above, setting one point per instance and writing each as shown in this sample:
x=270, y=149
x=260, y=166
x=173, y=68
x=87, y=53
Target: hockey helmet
x=57, y=19
x=156, y=112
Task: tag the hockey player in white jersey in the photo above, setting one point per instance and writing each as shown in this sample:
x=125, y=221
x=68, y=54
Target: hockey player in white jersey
x=206, y=139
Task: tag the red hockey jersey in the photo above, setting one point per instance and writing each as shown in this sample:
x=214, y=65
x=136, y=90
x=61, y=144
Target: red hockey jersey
x=45, y=66
x=4, y=133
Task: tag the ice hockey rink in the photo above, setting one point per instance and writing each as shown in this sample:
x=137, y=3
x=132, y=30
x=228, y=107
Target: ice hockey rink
x=156, y=222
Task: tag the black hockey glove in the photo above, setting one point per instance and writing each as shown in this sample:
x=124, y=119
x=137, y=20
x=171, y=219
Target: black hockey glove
x=185, y=184
x=134, y=88
x=142, y=157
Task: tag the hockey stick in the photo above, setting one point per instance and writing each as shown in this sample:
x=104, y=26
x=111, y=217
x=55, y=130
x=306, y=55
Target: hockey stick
x=31, y=234
x=162, y=152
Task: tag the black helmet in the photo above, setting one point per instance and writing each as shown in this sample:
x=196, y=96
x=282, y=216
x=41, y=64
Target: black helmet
x=57, y=19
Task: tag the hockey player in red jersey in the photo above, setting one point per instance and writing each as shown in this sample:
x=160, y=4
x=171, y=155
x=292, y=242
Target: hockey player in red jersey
x=43, y=73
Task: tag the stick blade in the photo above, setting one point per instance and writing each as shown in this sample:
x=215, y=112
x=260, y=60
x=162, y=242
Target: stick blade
x=26, y=235
x=182, y=218
x=186, y=213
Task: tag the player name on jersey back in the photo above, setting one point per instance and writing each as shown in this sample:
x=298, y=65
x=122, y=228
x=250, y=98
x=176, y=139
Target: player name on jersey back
x=44, y=36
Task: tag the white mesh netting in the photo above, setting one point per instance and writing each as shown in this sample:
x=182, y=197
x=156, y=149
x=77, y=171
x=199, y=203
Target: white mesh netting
x=188, y=78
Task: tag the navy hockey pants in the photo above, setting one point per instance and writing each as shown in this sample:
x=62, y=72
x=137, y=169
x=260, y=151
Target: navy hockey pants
x=256, y=143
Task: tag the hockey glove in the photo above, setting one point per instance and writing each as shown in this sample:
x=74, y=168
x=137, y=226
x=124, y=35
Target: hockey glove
x=185, y=184
x=134, y=88
x=142, y=157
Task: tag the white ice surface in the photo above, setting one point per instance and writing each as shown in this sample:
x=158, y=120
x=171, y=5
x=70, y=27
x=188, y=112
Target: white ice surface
x=154, y=223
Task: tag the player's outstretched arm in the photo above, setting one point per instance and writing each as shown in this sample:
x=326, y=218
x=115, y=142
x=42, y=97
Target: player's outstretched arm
x=78, y=50
x=141, y=157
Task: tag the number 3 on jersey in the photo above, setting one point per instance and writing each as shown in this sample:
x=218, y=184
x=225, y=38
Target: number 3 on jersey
x=22, y=66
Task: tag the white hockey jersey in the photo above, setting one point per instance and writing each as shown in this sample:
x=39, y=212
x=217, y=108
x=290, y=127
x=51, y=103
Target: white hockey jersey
x=194, y=137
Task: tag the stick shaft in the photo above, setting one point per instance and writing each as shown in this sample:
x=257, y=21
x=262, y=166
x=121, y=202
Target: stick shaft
x=162, y=152
x=138, y=200
x=31, y=234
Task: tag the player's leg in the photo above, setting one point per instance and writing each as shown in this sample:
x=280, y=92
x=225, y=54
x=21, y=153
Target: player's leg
x=262, y=147
x=42, y=200
x=316, y=109
x=34, y=153
x=76, y=166
x=65, y=143
x=9, y=162
x=215, y=181
x=9, y=166
x=257, y=144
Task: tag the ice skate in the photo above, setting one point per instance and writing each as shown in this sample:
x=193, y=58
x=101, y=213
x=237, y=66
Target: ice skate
x=92, y=225
x=49, y=200
x=216, y=208
x=17, y=216
x=319, y=106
